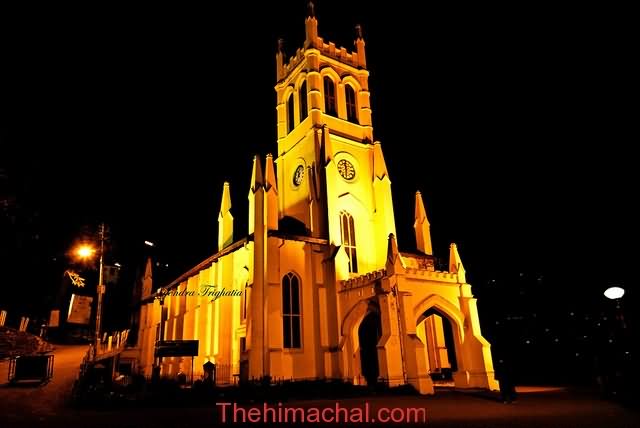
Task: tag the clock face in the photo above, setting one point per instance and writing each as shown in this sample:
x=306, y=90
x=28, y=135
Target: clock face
x=346, y=169
x=298, y=175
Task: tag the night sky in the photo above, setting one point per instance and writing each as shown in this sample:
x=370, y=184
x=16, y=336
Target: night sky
x=514, y=122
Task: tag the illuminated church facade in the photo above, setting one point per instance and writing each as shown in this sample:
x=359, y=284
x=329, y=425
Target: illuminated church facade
x=320, y=288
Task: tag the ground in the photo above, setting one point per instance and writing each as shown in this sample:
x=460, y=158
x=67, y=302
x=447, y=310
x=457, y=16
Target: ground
x=46, y=406
x=40, y=403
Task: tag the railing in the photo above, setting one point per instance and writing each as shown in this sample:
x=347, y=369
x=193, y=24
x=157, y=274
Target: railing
x=110, y=346
x=227, y=374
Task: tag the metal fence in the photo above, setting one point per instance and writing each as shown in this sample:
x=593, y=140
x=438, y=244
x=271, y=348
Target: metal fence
x=227, y=374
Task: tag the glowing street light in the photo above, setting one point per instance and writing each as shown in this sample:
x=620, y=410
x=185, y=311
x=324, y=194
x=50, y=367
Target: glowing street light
x=614, y=293
x=85, y=251
x=149, y=244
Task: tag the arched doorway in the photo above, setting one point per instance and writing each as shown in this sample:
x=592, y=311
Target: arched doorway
x=436, y=332
x=369, y=334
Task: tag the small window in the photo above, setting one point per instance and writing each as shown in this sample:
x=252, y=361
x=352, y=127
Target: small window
x=329, y=96
x=303, y=101
x=350, y=95
x=291, y=311
x=349, y=240
x=290, y=114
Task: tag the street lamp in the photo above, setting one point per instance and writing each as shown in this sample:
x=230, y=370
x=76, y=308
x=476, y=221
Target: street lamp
x=614, y=293
x=616, y=363
x=86, y=251
x=101, y=287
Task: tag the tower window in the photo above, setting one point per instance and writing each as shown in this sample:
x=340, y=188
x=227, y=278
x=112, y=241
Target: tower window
x=350, y=95
x=329, y=96
x=291, y=311
x=349, y=240
x=303, y=101
x=290, y=122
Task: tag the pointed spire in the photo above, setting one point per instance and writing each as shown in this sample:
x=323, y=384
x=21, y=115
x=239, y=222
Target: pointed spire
x=280, y=71
x=394, y=263
x=392, y=248
x=147, y=279
x=311, y=27
x=225, y=205
x=270, y=174
x=271, y=188
x=148, y=270
x=422, y=227
x=455, y=263
x=256, y=175
x=379, y=165
x=225, y=219
x=362, y=59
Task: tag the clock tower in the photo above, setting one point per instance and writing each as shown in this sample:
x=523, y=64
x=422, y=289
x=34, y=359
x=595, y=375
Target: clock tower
x=332, y=176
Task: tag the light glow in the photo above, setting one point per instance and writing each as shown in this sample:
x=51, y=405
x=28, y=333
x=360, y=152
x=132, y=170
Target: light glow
x=85, y=251
x=614, y=293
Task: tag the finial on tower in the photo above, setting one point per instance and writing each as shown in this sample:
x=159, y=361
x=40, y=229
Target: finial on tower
x=455, y=263
x=225, y=205
x=256, y=175
x=270, y=174
x=394, y=263
x=280, y=70
x=225, y=219
x=362, y=60
x=311, y=27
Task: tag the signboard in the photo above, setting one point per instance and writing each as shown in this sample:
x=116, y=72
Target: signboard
x=3, y=318
x=79, y=309
x=54, y=318
x=177, y=348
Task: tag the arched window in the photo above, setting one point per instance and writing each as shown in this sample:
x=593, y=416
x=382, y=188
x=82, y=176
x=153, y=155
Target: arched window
x=329, y=96
x=303, y=101
x=350, y=95
x=291, y=311
x=349, y=239
x=290, y=122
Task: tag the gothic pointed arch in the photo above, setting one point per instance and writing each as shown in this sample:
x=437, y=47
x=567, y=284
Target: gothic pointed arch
x=291, y=311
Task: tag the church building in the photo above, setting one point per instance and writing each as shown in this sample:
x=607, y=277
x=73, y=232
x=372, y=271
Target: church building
x=317, y=288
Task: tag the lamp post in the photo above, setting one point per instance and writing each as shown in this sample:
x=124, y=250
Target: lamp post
x=160, y=298
x=616, y=293
x=85, y=252
x=614, y=365
x=101, y=287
